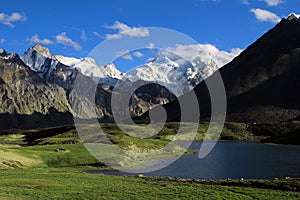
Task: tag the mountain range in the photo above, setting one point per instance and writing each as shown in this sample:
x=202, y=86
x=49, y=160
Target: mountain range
x=37, y=88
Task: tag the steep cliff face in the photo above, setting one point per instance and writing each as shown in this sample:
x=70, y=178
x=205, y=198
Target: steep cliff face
x=30, y=100
x=24, y=92
x=26, y=100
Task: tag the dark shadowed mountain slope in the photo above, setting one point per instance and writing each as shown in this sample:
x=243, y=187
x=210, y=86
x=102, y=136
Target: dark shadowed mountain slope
x=262, y=83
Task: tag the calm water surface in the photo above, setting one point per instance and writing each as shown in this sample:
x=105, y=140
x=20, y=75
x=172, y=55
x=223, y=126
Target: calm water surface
x=233, y=160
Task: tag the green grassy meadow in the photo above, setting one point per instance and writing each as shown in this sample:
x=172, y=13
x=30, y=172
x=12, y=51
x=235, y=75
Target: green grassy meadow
x=50, y=164
x=70, y=183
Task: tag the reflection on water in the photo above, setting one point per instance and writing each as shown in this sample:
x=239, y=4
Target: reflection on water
x=233, y=160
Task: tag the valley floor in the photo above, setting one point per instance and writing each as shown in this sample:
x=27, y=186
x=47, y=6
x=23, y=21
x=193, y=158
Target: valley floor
x=50, y=164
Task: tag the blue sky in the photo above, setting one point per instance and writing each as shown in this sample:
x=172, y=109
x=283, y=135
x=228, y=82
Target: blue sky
x=74, y=28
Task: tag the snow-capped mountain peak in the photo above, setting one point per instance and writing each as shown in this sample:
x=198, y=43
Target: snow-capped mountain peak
x=293, y=16
x=179, y=76
x=163, y=71
x=42, y=50
x=163, y=60
x=112, y=71
x=176, y=74
x=40, y=60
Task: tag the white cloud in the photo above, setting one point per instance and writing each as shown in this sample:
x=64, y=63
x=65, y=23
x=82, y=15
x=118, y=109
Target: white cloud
x=9, y=19
x=124, y=30
x=138, y=54
x=82, y=32
x=35, y=39
x=127, y=57
x=63, y=39
x=205, y=52
x=125, y=54
x=246, y=2
x=150, y=46
x=265, y=16
x=2, y=41
x=273, y=2
x=113, y=36
x=83, y=36
x=97, y=34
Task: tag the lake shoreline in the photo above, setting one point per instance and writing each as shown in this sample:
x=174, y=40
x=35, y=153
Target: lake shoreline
x=167, y=178
x=233, y=160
